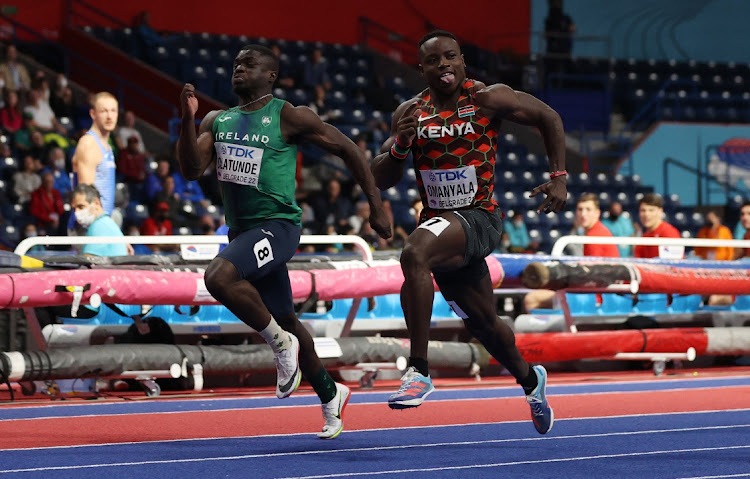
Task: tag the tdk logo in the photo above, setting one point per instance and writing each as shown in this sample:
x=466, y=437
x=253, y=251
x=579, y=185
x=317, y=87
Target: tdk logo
x=448, y=175
x=239, y=151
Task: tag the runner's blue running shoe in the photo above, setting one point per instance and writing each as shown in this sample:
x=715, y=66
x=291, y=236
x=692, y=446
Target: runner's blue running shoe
x=541, y=413
x=414, y=389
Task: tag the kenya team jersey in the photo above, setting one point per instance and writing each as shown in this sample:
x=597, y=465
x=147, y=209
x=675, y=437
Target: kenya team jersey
x=454, y=155
x=255, y=167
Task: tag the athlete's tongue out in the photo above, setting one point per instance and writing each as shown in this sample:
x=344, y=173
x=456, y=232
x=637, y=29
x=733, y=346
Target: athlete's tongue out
x=447, y=77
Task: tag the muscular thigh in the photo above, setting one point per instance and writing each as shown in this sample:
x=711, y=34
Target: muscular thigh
x=259, y=251
x=440, y=240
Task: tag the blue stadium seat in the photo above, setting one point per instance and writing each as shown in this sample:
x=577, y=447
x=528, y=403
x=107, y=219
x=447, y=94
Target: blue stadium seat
x=616, y=304
x=651, y=304
x=742, y=303
x=581, y=304
x=685, y=303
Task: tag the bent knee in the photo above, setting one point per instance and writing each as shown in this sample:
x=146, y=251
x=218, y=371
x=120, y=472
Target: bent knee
x=219, y=277
x=413, y=257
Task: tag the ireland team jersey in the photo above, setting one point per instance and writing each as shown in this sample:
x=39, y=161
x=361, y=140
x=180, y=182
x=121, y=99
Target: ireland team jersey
x=255, y=167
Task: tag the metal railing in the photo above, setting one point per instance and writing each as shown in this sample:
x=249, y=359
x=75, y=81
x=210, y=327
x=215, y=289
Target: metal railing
x=564, y=241
x=25, y=245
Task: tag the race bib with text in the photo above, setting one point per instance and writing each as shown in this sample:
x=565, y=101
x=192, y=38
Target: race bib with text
x=450, y=188
x=238, y=163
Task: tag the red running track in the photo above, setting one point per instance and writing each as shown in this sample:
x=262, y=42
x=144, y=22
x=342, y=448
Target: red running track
x=104, y=429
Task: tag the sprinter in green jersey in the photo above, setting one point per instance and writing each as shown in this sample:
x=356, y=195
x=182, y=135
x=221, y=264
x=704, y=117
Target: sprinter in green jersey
x=254, y=146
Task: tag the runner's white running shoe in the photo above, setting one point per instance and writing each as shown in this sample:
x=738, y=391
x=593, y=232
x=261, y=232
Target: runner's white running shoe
x=333, y=413
x=288, y=375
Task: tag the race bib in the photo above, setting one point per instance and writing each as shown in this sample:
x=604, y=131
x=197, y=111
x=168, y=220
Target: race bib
x=451, y=188
x=238, y=163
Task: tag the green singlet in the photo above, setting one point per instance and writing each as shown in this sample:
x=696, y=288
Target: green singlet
x=255, y=167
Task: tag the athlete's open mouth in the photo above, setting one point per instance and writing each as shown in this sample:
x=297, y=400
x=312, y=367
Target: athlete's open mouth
x=447, y=77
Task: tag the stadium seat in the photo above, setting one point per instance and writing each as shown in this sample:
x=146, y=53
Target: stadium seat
x=581, y=304
x=616, y=304
x=685, y=303
x=742, y=303
x=651, y=304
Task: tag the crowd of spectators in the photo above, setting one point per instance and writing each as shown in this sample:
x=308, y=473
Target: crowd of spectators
x=41, y=125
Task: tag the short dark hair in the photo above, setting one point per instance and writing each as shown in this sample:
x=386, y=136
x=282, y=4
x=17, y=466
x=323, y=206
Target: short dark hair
x=745, y=203
x=88, y=191
x=652, y=199
x=436, y=33
x=264, y=52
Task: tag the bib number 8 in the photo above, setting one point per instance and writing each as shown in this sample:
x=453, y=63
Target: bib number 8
x=263, y=252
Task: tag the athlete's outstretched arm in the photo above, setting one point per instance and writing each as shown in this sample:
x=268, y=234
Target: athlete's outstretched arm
x=387, y=169
x=194, y=153
x=522, y=108
x=303, y=122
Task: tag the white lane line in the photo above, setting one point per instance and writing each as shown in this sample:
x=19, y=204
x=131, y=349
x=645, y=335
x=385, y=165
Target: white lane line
x=519, y=463
x=400, y=446
x=746, y=474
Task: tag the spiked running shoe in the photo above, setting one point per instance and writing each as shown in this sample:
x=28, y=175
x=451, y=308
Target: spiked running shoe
x=288, y=375
x=541, y=412
x=414, y=389
x=333, y=413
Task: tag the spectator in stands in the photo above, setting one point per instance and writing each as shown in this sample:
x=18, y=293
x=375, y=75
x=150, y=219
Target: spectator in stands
x=189, y=191
x=744, y=253
x=26, y=180
x=619, y=225
x=11, y=116
x=158, y=224
x=285, y=79
x=14, y=75
x=22, y=136
x=44, y=118
x=126, y=131
x=38, y=148
x=148, y=37
x=316, y=71
x=319, y=106
x=587, y=216
x=63, y=105
x=155, y=178
x=558, y=30
x=46, y=204
x=331, y=208
x=30, y=231
x=131, y=229
x=57, y=165
x=517, y=233
x=131, y=162
x=651, y=215
x=89, y=213
x=173, y=199
x=715, y=230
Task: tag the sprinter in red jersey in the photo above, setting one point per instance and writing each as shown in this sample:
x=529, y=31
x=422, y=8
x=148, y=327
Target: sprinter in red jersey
x=451, y=131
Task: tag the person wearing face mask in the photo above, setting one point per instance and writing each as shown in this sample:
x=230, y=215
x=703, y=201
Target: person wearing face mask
x=87, y=204
x=620, y=225
x=158, y=224
x=56, y=165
